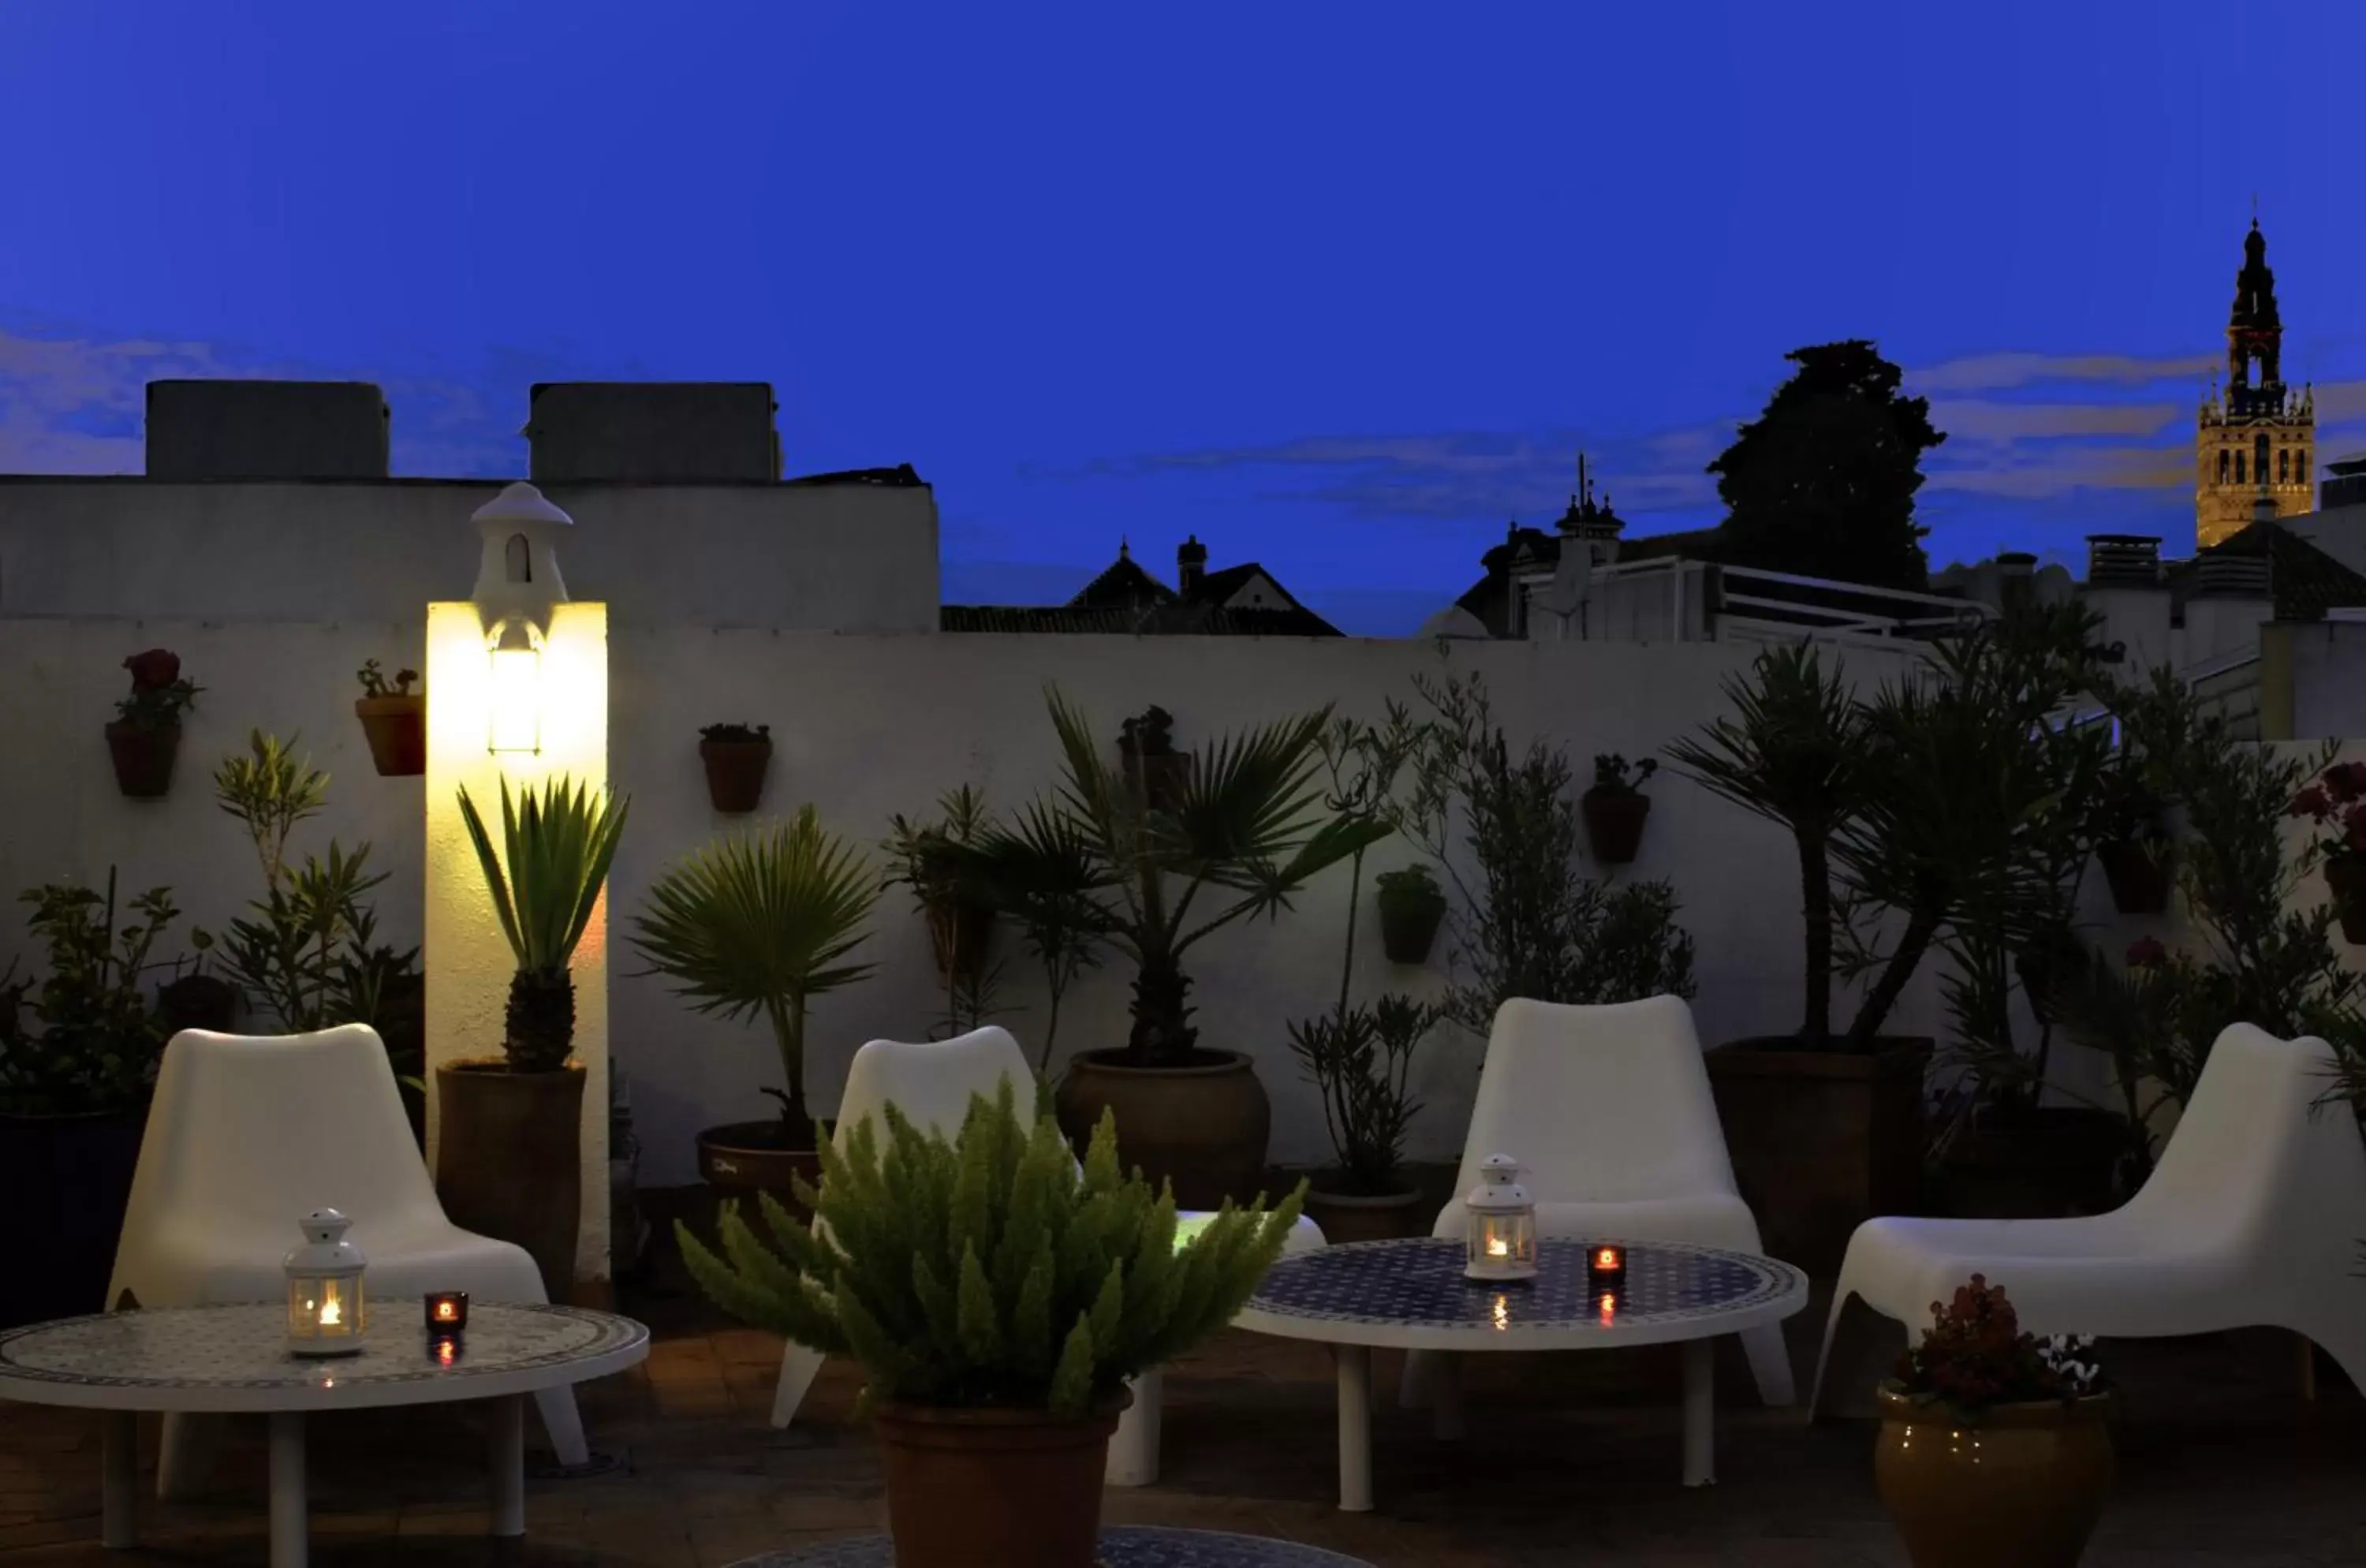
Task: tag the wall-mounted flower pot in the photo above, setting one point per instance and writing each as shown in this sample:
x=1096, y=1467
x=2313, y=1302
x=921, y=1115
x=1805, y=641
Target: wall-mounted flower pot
x=1614, y=826
x=2138, y=876
x=735, y=773
x=397, y=727
x=144, y=758
x=1410, y=917
x=2345, y=878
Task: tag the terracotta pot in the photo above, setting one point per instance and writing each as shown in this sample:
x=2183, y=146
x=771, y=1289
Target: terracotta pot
x=67, y=1181
x=960, y=929
x=397, y=728
x=144, y=758
x=198, y=1001
x=1351, y=1216
x=1202, y=1126
x=2023, y=1488
x=968, y=1488
x=2345, y=878
x=2040, y=1162
x=1614, y=825
x=509, y=1160
x=735, y=773
x=1409, y=922
x=1823, y=1139
x=2138, y=878
x=740, y=1159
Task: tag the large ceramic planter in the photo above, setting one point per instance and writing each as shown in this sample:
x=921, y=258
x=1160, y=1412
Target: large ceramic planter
x=1821, y=1140
x=144, y=758
x=2138, y=876
x=2034, y=1163
x=509, y=1160
x=1351, y=1216
x=1409, y=922
x=740, y=1159
x=1202, y=1126
x=968, y=1488
x=2345, y=878
x=734, y=773
x=66, y=1182
x=960, y=932
x=1614, y=825
x=2023, y=1488
x=397, y=730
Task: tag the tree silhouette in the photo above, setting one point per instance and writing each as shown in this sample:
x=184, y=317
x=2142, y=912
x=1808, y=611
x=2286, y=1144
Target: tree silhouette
x=1822, y=483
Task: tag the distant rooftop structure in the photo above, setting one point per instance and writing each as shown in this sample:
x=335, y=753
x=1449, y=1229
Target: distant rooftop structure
x=1126, y=600
x=653, y=432
x=266, y=430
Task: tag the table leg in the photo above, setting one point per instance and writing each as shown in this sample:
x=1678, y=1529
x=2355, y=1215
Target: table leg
x=1445, y=1399
x=119, y=1478
x=1355, y=1428
x=1700, y=1413
x=505, y=1459
x=289, y=1534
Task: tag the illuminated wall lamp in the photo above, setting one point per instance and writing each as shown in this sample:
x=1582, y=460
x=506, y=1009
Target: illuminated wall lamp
x=518, y=587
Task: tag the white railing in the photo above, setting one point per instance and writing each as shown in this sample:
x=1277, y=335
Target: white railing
x=1750, y=601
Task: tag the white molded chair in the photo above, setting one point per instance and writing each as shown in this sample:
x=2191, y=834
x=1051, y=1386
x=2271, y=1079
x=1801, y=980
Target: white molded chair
x=2251, y=1219
x=245, y=1136
x=932, y=1082
x=1609, y=1109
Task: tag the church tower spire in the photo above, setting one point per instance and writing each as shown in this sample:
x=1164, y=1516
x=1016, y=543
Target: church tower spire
x=2255, y=440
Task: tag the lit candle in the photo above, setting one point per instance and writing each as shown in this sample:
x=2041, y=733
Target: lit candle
x=1498, y=1248
x=1605, y=1265
x=447, y=1312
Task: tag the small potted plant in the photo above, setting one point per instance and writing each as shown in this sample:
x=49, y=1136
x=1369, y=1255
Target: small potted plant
x=394, y=717
x=1616, y=806
x=1360, y=1062
x=2336, y=802
x=997, y=1296
x=736, y=758
x=1147, y=745
x=1993, y=1448
x=2133, y=843
x=146, y=733
x=940, y=862
x=1412, y=908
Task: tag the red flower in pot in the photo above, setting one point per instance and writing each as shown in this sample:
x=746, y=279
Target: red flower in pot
x=146, y=735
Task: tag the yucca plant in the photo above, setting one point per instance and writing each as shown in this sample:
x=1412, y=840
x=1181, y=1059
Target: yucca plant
x=759, y=924
x=990, y=1269
x=556, y=846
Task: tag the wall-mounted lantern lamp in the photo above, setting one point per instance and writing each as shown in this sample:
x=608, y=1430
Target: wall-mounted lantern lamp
x=518, y=586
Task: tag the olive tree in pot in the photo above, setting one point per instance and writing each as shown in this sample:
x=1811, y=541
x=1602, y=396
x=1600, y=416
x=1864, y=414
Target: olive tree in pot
x=1233, y=832
x=74, y=1082
x=757, y=925
x=145, y=736
x=509, y=1159
x=998, y=1297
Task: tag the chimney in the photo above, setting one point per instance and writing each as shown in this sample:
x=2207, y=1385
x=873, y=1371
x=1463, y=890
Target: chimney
x=266, y=430
x=1190, y=566
x=2016, y=578
x=2122, y=561
x=653, y=432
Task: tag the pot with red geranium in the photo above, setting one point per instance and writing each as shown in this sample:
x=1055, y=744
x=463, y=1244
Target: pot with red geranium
x=2336, y=802
x=737, y=758
x=146, y=735
x=1615, y=807
x=1993, y=1445
x=394, y=717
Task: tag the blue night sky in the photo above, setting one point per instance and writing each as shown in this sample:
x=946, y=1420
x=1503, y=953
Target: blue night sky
x=1340, y=288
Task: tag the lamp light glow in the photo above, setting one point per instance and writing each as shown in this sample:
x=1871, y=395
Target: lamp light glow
x=515, y=699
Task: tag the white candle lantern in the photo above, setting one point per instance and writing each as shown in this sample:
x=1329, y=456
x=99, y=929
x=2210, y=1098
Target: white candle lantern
x=327, y=1312
x=1503, y=1223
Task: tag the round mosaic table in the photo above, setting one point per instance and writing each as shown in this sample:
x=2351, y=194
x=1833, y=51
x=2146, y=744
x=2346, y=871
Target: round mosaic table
x=233, y=1359
x=1412, y=1295
x=1132, y=1547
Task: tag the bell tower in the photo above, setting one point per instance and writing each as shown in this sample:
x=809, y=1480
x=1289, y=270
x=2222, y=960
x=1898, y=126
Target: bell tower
x=2255, y=438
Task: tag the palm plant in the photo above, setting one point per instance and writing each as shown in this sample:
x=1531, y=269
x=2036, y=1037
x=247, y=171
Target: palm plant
x=1244, y=827
x=759, y=924
x=1039, y=869
x=545, y=879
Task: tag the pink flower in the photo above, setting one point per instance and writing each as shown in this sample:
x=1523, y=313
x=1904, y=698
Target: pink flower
x=2312, y=803
x=2147, y=953
x=2347, y=780
x=154, y=669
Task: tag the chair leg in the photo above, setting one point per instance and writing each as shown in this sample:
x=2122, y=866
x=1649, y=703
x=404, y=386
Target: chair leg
x=1849, y=1351
x=1133, y=1450
x=184, y=1460
x=1770, y=1363
x=564, y=1423
x=1417, y=1384
x=799, y=1367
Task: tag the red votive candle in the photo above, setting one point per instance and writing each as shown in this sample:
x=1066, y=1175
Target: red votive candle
x=1605, y=1265
x=447, y=1312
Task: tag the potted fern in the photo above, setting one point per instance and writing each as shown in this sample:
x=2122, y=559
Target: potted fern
x=758, y=925
x=509, y=1161
x=394, y=718
x=998, y=1297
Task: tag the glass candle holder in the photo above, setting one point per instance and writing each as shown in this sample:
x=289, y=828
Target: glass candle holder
x=448, y=1311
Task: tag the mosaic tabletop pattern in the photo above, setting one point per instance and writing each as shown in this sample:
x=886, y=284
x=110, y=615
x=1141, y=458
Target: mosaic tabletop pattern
x=245, y=1348
x=1420, y=1282
x=1126, y=1548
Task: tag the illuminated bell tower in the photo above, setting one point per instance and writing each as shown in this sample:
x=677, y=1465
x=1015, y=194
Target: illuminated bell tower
x=2255, y=438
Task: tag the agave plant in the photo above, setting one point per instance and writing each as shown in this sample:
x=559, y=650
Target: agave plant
x=545, y=879
x=760, y=923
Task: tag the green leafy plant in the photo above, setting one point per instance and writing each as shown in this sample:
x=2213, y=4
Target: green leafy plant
x=938, y=862
x=377, y=683
x=1039, y=869
x=1974, y=1357
x=759, y=924
x=1360, y=1062
x=159, y=693
x=545, y=879
x=99, y=1036
x=735, y=734
x=990, y=1269
x=1614, y=776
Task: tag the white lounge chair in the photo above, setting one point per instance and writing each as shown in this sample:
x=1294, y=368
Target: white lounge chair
x=2252, y=1219
x=932, y=1082
x=1609, y=1109
x=247, y=1135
